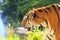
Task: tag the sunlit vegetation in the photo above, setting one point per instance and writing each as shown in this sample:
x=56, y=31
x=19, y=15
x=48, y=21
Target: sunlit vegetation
x=11, y=34
x=35, y=34
x=2, y=38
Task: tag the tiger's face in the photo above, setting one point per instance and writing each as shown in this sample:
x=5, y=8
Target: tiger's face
x=26, y=22
x=33, y=19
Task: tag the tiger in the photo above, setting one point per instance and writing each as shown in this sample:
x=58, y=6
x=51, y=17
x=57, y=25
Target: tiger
x=48, y=16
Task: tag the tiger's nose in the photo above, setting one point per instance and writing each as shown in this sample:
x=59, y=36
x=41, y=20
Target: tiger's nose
x=28, y=28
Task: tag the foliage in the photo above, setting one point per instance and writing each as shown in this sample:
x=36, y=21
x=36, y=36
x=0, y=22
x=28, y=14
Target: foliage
x=11, y=34
x=36, y=34
x=1, y=5
x=2, y=38
x=16, y=9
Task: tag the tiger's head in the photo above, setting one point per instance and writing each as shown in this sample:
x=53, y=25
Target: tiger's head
x=34, y=18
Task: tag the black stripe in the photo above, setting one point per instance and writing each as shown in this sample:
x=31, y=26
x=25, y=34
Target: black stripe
x=35, y=15
x=40, y=10
x=51, y=35
x=57, y=14
x=45, y=10
x=48, y=8
x=48, y=37
x=46, y=22
x=59, y=9
x=55, y=10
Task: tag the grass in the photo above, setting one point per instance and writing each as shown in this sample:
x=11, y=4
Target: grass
x=2, y=38
x=11, y=33
x=35, y=35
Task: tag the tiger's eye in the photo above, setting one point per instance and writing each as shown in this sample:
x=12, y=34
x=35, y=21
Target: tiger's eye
x=34, y=15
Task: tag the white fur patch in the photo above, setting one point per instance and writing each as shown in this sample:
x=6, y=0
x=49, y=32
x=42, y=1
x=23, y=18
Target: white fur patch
x=58, y=5
x=25, y=17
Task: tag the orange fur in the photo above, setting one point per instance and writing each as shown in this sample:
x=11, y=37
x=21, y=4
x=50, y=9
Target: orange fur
x=49, y=14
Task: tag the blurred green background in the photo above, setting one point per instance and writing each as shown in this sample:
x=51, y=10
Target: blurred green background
x=14, y=10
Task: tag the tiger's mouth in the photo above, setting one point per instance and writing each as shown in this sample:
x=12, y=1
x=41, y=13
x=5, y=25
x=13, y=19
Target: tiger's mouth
x=40, y=27
x=28, y=28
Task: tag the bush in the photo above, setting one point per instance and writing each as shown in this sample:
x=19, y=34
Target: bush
x=11, y=33
x=35, y=34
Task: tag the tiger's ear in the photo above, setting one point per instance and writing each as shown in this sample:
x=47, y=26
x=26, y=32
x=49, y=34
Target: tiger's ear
x=33, y=9
x=33, y=13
